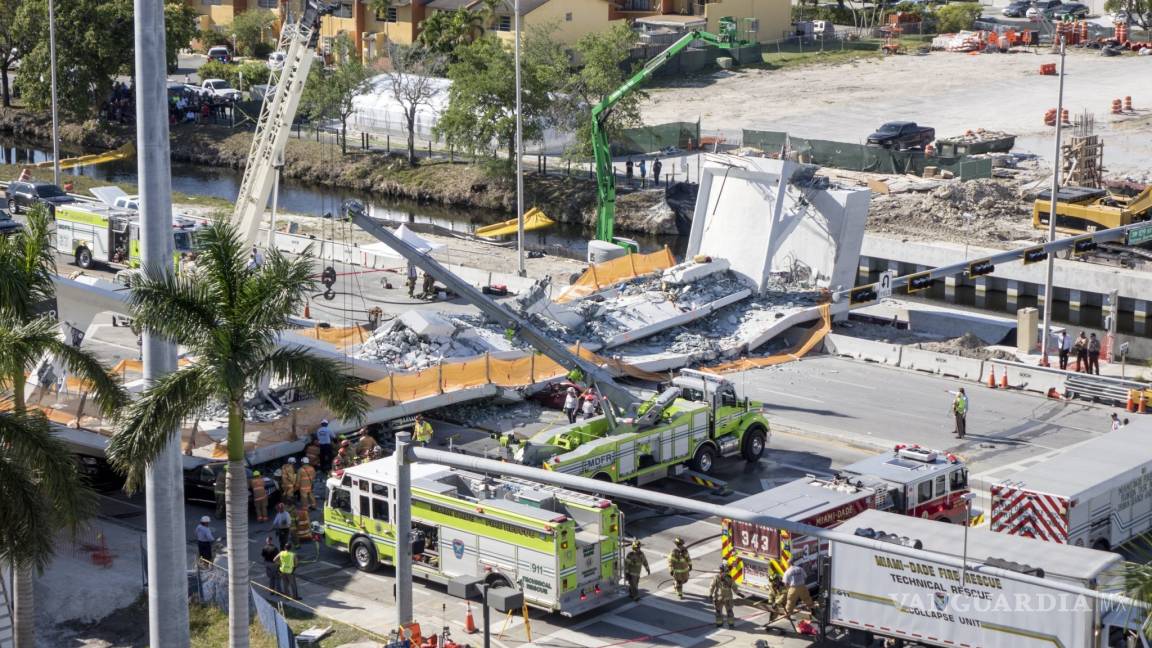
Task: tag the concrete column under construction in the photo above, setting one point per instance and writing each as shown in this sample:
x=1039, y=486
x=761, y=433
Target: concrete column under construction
x=1074, y=300
x=1140, y=313
x=981, y=292
x=950, y=285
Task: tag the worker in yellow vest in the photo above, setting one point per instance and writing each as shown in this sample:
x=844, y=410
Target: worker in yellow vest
x=422, y=432
x=259, y=497
x=288, y=479
x=305, y=478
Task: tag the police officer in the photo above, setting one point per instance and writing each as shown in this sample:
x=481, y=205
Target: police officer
x=633, y=563
x=722, y=592
x=680, y=566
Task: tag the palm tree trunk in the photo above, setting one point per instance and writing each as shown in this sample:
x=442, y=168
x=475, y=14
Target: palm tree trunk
x=237, y=530
x=24, y=603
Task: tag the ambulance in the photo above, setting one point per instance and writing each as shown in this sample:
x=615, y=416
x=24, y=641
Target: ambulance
x=561, y=548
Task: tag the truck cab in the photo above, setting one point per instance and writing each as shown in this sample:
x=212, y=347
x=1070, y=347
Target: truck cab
x=915, y=481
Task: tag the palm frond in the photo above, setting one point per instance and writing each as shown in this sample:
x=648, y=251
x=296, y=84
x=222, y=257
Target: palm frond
x=14, y=289
x=147, y=425
x=174, y=308
x=43, y=490
x=277, y=290
x=106, y=390
x=38, y=254
x=223, y=260
x=327, y=379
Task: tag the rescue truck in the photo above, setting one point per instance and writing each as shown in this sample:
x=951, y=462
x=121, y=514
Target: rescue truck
x=107, y=235
x=910, y=481
x=874, y=593
x=1099, y=495
x=562, y=548
x=696, y=420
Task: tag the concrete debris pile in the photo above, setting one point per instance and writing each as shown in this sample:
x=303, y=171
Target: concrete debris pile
x=259, y=407
x=483, y=416
x=967, y=346
x=978, y=211
x=419, y=339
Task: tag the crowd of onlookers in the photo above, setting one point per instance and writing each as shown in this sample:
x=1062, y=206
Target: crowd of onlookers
x=186, y=105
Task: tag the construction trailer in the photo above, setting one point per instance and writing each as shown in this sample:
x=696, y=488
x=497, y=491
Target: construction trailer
x=1098, y=495
x=872, y=594
x=891, y=482
x=562, y=548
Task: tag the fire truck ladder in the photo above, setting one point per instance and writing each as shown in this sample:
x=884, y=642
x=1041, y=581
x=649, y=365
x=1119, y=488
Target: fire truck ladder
x=285, y=87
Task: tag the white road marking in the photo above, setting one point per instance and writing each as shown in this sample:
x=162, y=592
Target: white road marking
x=780, y=393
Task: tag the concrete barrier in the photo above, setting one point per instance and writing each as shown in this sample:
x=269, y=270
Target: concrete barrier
x=1029, y=378
x=941, y=363
x=868, y=350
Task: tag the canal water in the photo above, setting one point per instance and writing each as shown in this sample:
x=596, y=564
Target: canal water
x=304, y=198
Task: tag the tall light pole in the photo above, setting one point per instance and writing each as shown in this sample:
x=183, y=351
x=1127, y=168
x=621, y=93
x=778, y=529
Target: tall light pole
x=520, y=270
x=967, y=497
x=164, y=485
x=403, y=531
x=52, y=71
x=1048, y=300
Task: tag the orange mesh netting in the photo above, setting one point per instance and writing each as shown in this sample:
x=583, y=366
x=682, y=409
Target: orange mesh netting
x=815, y=336
x=602, y=275
x=339, y=336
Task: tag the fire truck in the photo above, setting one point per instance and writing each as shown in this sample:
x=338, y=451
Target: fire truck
x=911, y=480
x=562, y=548
x=1099, y=496
x=106, y=235
x=696, y=420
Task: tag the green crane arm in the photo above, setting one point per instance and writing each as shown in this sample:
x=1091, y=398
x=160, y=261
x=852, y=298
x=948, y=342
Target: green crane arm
x=605, y=178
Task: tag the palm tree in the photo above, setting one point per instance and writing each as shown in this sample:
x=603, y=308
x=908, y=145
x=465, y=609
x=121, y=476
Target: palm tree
x=228, y=319
x=27, y=266
x=489, y=10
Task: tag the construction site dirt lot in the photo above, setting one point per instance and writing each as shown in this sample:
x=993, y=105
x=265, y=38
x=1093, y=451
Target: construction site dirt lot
x=949, y=91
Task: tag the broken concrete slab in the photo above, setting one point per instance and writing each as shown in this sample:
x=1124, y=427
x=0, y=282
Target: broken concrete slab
x=427, y=323
x=691, y=271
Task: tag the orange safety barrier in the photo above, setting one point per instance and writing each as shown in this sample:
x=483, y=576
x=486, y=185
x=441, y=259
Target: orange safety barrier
x=603, y=275
x=1127, y=104
x=815, y=337
x=340, y=336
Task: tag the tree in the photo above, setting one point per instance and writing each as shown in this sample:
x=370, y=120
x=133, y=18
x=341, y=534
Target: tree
x=250, y=28
x=13, y=43
x=604, y=56
x=229, y=318
x=445, y=32
x=329, y=92
x=957, y=16
x=1139, y=11
x=179, y=30
x=413, y=84
x=43, y=491
x=481, y=107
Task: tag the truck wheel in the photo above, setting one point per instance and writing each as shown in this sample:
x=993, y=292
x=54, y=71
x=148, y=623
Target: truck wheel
x=1101, y=545
x=12, y=206
x=704, y=459
x=364, y=555
x=84, y=258
x=603, y=477
x=752, y=448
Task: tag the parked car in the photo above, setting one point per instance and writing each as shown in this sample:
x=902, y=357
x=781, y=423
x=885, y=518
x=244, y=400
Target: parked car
x=1017, y=8
x=902, y=135
x=200, y=484
x=1040, y=8
x=1073, y=9
x=7, y=225
x=220, y=88
x=22, y=195
x=219, y=53
x=552, y=396
x=98, y=472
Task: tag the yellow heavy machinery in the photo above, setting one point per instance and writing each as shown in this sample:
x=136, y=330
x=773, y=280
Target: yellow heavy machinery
x=1083, y=209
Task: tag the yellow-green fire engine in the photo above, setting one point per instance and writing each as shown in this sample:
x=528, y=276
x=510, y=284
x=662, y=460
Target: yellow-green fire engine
x=562, y=548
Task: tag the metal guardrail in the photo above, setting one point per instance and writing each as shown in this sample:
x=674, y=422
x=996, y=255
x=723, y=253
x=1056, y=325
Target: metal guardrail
x=1090, y=387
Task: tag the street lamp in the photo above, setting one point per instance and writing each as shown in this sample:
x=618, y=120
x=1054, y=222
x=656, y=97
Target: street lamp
x=55, y=118
x=967, y=497
x=1048, y=296
x=478, y=588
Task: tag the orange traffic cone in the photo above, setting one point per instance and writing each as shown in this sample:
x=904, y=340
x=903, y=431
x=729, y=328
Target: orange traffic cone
x=307, y=310
x=1052, y=393
x=1004, y=379
x=1131, y=407
x=1143, y=404
x=469, y=622
x=992, y=377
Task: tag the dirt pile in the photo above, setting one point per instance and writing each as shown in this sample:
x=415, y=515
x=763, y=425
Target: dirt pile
x=967, y=346
x=989, y=211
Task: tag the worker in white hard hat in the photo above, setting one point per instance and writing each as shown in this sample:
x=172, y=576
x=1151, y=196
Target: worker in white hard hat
x=204, y=539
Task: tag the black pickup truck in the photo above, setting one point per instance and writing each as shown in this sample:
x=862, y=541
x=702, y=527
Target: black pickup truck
x=902, y=135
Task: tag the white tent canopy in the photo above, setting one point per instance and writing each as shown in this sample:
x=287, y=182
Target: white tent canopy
x=409, y=237
x=380, y=110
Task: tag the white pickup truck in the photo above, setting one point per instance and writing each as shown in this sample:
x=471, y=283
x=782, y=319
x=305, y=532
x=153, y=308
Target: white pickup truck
x=220, y=88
